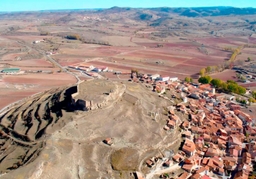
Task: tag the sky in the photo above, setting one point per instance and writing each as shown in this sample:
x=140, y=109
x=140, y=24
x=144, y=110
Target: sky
x=34, y=5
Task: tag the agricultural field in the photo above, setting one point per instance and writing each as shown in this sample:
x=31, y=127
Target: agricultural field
x=179, y=47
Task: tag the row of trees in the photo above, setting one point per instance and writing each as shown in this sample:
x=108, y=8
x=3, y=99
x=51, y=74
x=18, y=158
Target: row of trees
x=87, y=41
x=230, y=49
x=216, y=68
x=209, y=70
x=73, y=37
x=229, y=86
x=44, y=33
x=236, y=52
x=227, y=65
x=93, y=41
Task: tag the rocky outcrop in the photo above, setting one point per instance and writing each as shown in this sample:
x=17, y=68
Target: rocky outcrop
x=92, y=97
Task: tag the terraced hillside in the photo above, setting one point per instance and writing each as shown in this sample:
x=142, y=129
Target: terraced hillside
x=25, y=127
x=48, y=138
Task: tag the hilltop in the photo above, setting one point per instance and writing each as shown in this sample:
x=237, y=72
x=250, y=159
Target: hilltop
x=50, y=131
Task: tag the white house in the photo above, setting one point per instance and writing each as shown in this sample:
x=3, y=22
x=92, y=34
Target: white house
x=104, y=69
x=173, y=79
x=155, y=76
x=164, y=79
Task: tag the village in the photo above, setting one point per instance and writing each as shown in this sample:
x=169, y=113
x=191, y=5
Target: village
x=218, y=138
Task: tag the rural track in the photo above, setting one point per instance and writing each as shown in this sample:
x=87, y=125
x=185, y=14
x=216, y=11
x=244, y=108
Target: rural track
x=52, y=60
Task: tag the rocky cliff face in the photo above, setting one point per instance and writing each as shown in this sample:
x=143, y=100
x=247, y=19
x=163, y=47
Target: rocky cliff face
x=47, y=137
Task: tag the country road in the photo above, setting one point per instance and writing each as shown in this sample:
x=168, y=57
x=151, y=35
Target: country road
x=53, y=61
x=61, y=67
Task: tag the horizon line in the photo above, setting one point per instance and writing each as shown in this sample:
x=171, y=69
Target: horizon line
x=14, y=11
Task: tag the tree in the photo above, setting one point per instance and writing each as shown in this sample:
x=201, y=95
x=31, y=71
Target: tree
x=134, y=72
x=44, y=33
x=202, y=72
x=202, y=80
x=241, y=90
x=188, y=79
x=205, y=79
x=208, y=78
x=248, y=59
x=232, y=87
x=224, y=87
x=73, y=37
x=216, y=68
x=254, y=94
x=243, y=101
x=208, y=69
x=231, y=81
x=216, y=83
x=251, y=100
x=242, y=78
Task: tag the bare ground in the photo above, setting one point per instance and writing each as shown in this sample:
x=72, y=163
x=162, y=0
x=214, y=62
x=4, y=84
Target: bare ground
x=77, y=148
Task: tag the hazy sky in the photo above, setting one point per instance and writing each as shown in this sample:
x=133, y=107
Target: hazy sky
x=29, y=5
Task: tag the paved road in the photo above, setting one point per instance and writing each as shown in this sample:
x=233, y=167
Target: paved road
x=61, y=67
x=53, y=61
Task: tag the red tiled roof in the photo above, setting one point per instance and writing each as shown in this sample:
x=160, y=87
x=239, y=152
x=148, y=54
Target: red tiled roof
x=196, y=176
x=205, y=87
x=184, y=175
x=205, y=161
x=202, y=169
x=174, y=117
x=205, y=177
x=187, y=167
x=189, y=146
x=171, y=123
x=177, y=157
x=235, y=140
x=233, y=152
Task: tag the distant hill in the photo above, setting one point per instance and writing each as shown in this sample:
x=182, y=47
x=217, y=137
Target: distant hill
x=189, y=12
x=207, y=11
x=160, y=16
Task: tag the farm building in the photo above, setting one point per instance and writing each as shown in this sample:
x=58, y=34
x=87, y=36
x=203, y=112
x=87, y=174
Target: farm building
x=97, y=70
x=166, y=78
x=174, y=79
x=154, y=77
x=10, y=70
